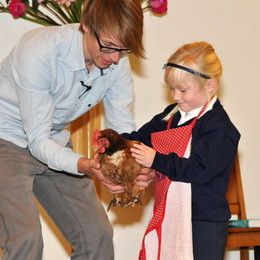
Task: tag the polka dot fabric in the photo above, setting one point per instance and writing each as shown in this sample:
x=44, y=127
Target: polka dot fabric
x=168, y=141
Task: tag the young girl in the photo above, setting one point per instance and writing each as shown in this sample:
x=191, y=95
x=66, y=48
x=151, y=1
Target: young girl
x=194, y=144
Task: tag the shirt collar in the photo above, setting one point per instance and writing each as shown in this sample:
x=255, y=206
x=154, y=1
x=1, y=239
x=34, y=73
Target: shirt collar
x=186, y=116
x=190, y=114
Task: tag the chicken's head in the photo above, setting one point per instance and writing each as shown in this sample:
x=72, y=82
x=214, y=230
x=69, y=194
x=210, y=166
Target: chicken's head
x=99, y=142
x=109, y=141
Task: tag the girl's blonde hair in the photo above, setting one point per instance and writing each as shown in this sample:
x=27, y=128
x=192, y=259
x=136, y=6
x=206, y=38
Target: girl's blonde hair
x=122, y=19
x=197, y=56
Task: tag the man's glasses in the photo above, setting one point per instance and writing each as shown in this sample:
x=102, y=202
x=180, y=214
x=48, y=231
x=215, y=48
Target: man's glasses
x=106, y=49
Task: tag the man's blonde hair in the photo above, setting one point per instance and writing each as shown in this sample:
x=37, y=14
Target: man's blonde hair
x=122, y=19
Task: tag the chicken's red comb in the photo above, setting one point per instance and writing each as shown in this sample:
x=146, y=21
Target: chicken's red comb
x=95, y=137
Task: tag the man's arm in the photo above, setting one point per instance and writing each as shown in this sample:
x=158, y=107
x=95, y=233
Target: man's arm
x=32, y=77
x=119, y=99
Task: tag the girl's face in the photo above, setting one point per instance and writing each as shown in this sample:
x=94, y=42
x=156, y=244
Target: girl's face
x=189, y=95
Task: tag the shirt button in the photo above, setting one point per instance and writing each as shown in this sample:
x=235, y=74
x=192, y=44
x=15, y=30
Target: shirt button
x=89, y=105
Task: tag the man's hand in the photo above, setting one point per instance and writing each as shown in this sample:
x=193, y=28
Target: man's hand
x=92, y=168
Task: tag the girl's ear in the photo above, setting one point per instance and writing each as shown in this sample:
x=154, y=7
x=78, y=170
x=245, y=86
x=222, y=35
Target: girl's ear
x=212, y=87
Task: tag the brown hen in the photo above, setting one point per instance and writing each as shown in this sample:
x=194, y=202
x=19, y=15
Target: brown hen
x=118, y=166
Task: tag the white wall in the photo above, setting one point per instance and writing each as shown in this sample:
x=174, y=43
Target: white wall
x=233, y=28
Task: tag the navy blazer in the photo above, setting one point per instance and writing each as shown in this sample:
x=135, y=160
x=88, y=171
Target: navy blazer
x=213, y=149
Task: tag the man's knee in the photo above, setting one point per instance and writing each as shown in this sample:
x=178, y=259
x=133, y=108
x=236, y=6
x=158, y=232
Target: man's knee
x=106, y=232
x=100, y=232
x=33, y=238
x=26, y=245
x=94, y=243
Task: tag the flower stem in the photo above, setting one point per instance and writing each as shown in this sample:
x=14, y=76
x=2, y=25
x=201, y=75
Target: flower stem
x=38, y=17
x=56, y=11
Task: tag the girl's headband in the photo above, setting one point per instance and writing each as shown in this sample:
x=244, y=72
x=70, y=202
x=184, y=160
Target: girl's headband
x=194, y=72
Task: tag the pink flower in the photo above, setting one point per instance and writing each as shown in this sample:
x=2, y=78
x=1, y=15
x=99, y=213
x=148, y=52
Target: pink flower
x=17, y=8
x=158, y=6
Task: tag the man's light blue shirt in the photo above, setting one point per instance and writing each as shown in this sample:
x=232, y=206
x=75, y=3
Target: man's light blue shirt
x=41, y=93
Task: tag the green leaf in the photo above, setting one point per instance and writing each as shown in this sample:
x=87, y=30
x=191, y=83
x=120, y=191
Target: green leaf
x=50, y=12
x=35, y=4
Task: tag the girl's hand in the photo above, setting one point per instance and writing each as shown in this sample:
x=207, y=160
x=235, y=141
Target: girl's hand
x=143, y=154
x=146, y=177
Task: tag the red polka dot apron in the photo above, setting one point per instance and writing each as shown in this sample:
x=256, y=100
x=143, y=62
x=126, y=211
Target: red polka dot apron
x=169, y=232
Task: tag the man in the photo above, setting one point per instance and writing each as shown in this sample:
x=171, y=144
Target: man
x=54, y=75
